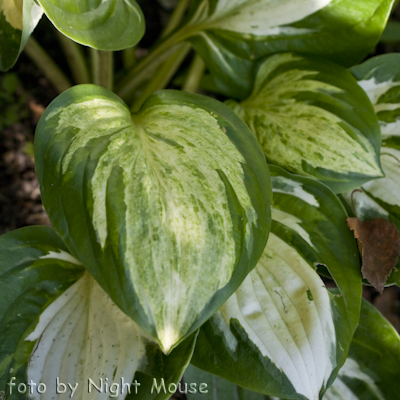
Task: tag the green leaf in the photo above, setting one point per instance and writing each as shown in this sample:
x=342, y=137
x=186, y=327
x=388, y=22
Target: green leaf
x=232, y=36
x=201, y=385
x=311, y=118
x=391, y=34
x=84, y=338
x=168, y=208
x=18, y=19
x=104, y=25
x=281, y=333
x=380, y=198
x=380, y=78
x=372, y=368
x=34, y=270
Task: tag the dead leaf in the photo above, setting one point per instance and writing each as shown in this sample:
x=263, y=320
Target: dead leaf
x=379, y=244
x=37, y=110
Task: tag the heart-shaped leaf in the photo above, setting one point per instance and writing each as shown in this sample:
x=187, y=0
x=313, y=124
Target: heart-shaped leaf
x=282, y=333
x=232, y=36
x=104, y=25
x=168, y=208
x=18, y=19
x=311, y=118
x=35, y=269
x=84, y=338
x=380, y=198
x=371, y=370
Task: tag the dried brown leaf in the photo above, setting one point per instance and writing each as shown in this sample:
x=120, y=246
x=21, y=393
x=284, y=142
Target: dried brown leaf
x=379, y=244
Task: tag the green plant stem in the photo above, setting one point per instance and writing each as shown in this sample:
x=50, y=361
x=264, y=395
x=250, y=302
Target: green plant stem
x=45, y=63
x=164, y=75
x=75, y=58
x=147, y=67
x=195, y=74
x=129, y=57
x=102, y=68
x=176, y=17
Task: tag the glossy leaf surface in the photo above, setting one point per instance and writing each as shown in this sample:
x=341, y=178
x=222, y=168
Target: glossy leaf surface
x=232, y=36
x=18, y=18
x=104, y=25
x=380, y=198
x=281, y=323
x=35, y=269
x=168, y=208
x=311, y=118
x=371, y=370
x=83, y=335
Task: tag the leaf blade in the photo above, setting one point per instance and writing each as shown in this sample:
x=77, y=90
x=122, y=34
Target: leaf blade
x=309, y=226
x=319, y=104
x=108, y=25
x=188, y=167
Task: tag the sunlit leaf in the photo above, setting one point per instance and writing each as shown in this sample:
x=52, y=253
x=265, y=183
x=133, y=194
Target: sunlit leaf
x=311, y=118
x=104, y=25
x=282, y=324
x=167, y=208
x=232, y=35
x=18, y=18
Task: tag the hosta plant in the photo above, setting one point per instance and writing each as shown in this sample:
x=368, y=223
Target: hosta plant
x=189, y=230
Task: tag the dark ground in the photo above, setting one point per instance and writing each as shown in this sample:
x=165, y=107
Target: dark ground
x=24, y=100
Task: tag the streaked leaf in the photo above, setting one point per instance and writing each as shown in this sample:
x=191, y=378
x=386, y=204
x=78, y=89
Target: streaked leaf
x=213, y=387
x=282, y=324
x=371, y=370
x=232, y=36
x=380, y=78
x=104, y=25
x=18, y=19
x=168, y=208
x=311, y=118
x=83, y=335
x=34, y=270
x=380, y=198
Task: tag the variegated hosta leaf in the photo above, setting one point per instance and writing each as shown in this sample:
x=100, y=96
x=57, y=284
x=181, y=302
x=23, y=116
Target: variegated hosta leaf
x=18, y=18
x=168, y=208
x=34, y=270
x=380, y=78
x=380, y=198
x=311, y=118
x=104, y=25
x=282, y=324
x=231, y=35
x=372, y=369
x=84, y=336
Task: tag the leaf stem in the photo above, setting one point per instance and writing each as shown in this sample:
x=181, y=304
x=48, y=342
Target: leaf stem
x=45, y=63
x=164, y=74
x=176, y=17
x=129, y=57
x=102, y=68
x=195, y=74
x=75, y=58
x=147, y=67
